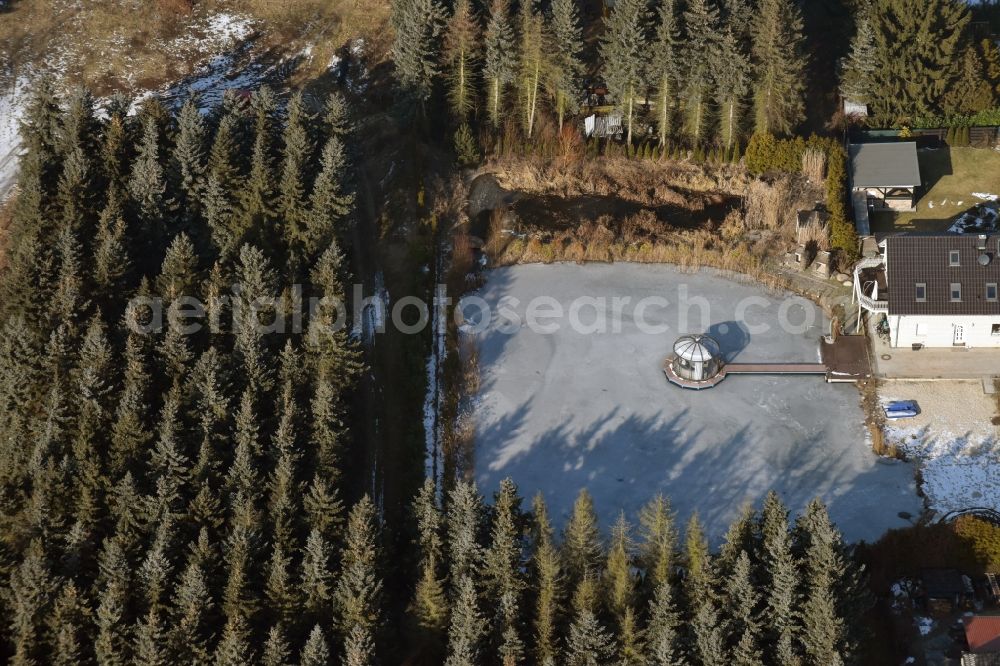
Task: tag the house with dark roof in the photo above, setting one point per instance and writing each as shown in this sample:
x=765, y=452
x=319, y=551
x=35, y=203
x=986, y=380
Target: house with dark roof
x=936, y=290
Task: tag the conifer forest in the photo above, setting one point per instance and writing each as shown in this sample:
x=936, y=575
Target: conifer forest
x=186, y=420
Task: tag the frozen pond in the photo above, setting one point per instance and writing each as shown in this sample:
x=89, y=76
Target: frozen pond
x=579, y=407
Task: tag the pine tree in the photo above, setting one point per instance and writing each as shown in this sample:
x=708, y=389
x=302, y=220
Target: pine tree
x=624, y=49
x=276, y=650
x=504, y=581
x=461, y=53
x=743, y=536
x=581, y=547
x=701, y=20
x=663, y=639
x=189, y=159
x=835, y=598
x=329, y=201
x=466, y=627
x=665, y=69
x=588, y=643
x=782, y=585
x=359, y=650
x=548, y=579
x=620, y=591
x=918, y=45
x=257, y=198
x=148, y=189
x=292, y=184
x=779, y=67
x=69, y=618
x=233, y=648
x=532, y=62
x=316, y=577
x=316, y=651
x=743, y=606
x=31, y=593
x=972, y=91
x=565, y=66
x=857, y=78
x=464, y=515
x=415, y=53
x=658, y=541
x=499, y=61
x=358, y=590
x=429, y=606
x=732, y=83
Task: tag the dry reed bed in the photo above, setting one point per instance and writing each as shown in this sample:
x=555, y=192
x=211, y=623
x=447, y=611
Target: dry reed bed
x=649, y=182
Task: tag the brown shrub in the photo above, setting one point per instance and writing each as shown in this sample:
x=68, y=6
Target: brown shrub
x=765, y=204
x=814, y=164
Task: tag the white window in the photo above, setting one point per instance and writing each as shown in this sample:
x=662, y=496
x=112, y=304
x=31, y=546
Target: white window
x=956, y=292
x=954, y=258
x=921, y=292
x=991, y=291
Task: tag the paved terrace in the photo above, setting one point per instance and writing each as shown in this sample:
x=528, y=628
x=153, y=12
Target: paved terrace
x=932, y=363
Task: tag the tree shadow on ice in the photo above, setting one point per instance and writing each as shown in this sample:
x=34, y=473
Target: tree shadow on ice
x=624, y=460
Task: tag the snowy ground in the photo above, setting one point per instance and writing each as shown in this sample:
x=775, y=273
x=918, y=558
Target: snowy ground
x=569, y=410
x=953, y=440
x=220, y=34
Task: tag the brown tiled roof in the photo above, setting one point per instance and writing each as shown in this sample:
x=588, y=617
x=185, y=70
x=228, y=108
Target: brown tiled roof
x=925, y=258
x=983, y=633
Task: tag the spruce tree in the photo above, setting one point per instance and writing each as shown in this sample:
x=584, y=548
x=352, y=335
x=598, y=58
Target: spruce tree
x=779, y=67
x=620, y=591
x=293, y=183
x=461, y=53
x=624, y=51
x=466, y=628
x=701, y=20
x=732, y=79
x=565, y=64
x=415, y=52
x=918, y=45
x=532, y=62
x=663, y=633
x=782, y=582
x=588, y=642
x=857, y=78
x=359, y=587
x=547, y=576
x=502, y=570
x=429, y=606
x=743, y=607
x=189, y=159
x=316, y=651
x=464, y=515
x=499, y=61
x=581, y=547
x=665, y=69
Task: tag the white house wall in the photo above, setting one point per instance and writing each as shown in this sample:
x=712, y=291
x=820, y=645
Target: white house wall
x=939, y=331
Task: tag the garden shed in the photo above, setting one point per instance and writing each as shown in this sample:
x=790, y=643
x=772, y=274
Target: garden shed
x=888, y=174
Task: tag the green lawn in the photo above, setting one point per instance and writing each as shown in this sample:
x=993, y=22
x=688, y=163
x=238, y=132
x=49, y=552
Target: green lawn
x=953, y=175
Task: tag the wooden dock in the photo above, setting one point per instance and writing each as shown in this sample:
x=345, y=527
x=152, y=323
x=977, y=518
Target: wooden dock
x=844, y=360
x=774, y=369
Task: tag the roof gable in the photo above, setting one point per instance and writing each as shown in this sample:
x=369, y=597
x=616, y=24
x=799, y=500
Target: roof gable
x=913, y=259
x=884, y=165
x=983, y=633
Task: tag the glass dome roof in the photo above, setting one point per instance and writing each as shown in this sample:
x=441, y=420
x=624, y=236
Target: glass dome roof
x=696, y=348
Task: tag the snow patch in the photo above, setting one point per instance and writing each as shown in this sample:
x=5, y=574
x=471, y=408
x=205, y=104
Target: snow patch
x=12, y=103
x=985, y=196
